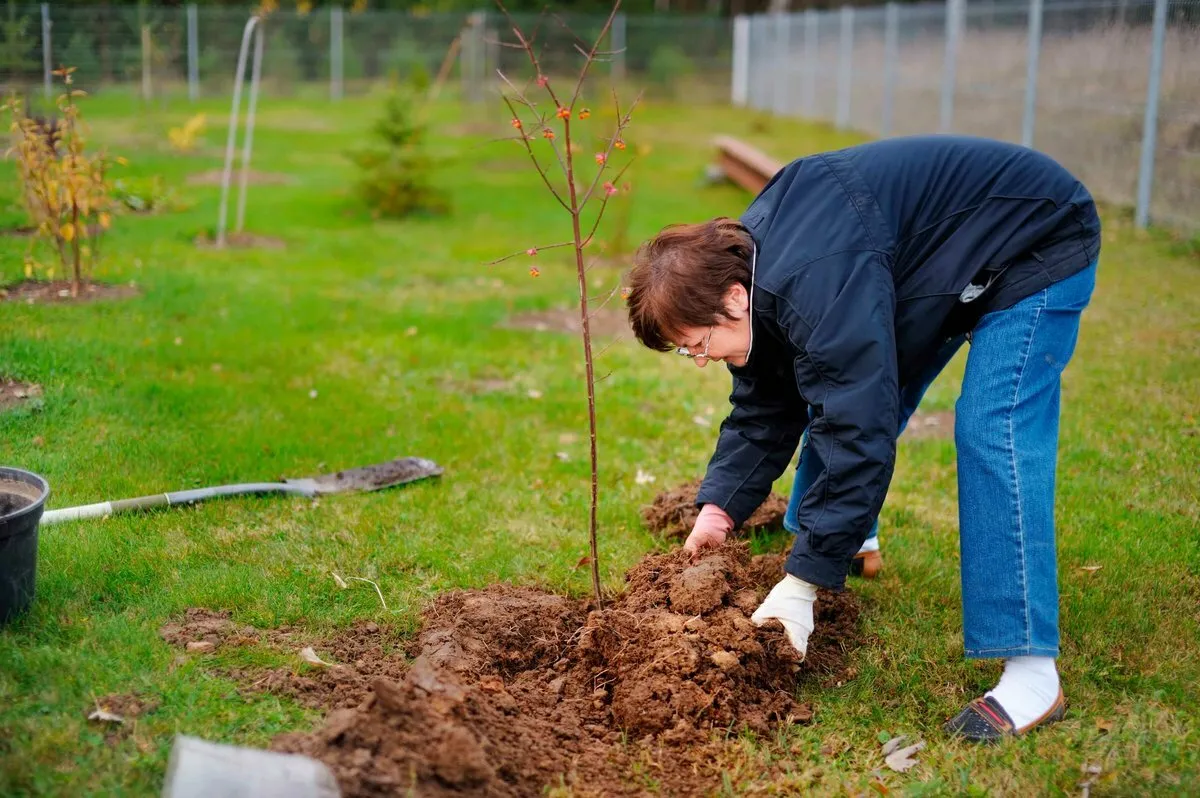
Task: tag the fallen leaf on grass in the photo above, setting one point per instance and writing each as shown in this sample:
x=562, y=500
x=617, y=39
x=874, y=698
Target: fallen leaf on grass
x=562, y=456
x=901, y=759
x=702, y=421
x=1104, y=726
x=340, y=582
x=643, y=478
x=104, y=716
x=584, y=560
x=310, y=656
x=1091, y=569
x=832, y=749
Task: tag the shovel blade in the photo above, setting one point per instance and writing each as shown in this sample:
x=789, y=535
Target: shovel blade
x=373, y=477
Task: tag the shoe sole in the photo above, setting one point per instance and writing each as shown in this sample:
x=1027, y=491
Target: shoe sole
x=867, y=564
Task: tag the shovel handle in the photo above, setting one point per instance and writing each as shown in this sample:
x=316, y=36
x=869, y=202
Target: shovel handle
x=104, y=509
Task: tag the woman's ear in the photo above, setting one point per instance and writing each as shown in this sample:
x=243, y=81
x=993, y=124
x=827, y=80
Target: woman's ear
x=737, y=302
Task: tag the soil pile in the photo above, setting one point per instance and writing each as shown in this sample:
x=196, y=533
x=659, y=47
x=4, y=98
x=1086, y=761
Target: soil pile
x=673, y=512
x=512, y=689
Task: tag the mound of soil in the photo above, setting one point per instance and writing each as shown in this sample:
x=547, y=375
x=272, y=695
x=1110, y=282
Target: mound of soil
x=512, y=689
x=241, y=240
x=254, y=177
x=673, y=512
x=604, y=322
x=41, y=292
x=13, y=393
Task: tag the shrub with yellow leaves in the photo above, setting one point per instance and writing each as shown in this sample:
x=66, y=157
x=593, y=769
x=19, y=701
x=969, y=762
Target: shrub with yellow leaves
x=65, y=189
x=183, y=138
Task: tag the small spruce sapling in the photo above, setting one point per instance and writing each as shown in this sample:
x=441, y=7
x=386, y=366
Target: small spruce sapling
x=397, y=173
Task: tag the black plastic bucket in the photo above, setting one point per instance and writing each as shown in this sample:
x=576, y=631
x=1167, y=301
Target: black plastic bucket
x=22, y=500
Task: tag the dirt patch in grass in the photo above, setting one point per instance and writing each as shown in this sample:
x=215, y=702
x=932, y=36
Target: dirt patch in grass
x=200, y=629
x=45, y=292
x=673, y=512
x=213, y=177
x=513, y=689
x=939, y=424
x=605, y=322
x=241, y=240
x=14, y=393
x=127, y=705
x=355, y=658
x=205, y=630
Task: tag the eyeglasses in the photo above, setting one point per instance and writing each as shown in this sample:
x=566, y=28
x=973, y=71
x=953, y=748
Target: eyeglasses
x=683, y=351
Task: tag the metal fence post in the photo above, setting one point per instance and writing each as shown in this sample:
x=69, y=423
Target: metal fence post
x=782, y=73
x=1031, y=72
x=1150, y=123
x=741, y=60
x=950, y=67
x=336, y=62
x=147, y=64
x=618, y=47
x=46, y=58
x=845, y=78
x=193, y=53
x=810, y=63
x=891, y=65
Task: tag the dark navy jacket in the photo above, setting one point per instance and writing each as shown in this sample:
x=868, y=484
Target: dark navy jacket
x=862, y=259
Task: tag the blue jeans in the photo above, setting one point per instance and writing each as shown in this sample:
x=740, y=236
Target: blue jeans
x=1006, y=436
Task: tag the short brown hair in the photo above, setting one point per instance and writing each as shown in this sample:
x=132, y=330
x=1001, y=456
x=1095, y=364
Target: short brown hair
x=679, y=278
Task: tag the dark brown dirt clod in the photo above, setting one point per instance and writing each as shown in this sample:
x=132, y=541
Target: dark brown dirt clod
x=673, y=512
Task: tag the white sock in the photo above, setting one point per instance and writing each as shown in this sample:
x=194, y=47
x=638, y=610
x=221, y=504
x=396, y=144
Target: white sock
x=1027, y=689
x=870, y=544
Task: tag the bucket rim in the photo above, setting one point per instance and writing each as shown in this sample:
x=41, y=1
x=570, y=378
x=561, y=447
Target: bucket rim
x=29, y=478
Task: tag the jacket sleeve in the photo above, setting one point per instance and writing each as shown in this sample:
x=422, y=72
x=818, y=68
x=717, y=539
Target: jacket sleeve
x=756, y=442
x=842, y=317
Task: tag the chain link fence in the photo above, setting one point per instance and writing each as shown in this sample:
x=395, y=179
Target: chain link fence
x=1111, y=88
x=168, y=51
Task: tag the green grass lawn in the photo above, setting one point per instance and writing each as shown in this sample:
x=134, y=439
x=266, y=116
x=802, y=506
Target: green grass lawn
x=365, y=340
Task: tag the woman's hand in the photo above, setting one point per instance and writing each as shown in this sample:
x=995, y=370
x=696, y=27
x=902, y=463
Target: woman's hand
x=710, y=529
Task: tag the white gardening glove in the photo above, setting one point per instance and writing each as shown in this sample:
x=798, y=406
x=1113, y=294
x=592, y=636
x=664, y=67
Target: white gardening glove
x=791, y=603
x=710, y=529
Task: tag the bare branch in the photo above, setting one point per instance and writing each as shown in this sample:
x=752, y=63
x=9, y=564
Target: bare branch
x=622, y=123
x=537, y=165
x=610, y=345
x=526, y=252
x=604, y=203
x=592, y=53
x=609, y=296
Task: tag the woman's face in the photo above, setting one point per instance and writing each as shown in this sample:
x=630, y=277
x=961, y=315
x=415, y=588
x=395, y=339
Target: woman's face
x=728, y=341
